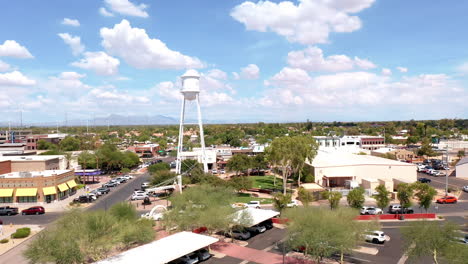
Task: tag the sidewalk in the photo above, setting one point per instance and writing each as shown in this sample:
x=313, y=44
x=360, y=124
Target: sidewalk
x=10, y=229
x=254, y=255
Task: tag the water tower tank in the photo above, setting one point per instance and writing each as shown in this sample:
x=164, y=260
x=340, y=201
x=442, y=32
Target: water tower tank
x=190, y=84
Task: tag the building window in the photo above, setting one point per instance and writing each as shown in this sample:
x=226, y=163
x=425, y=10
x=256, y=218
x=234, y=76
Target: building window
x=27, y=199
x=6, y=199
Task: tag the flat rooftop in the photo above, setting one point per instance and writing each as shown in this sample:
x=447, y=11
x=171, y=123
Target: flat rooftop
x=30, y=157
x=30, y=174
x=337, y=159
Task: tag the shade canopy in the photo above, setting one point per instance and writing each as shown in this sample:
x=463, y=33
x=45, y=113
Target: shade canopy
x=163, y=250
x=6, y=192
x=63, y=187
x=252, y=216
x=71, y=183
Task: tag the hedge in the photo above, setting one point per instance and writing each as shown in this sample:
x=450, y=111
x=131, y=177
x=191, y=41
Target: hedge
x=21, y=232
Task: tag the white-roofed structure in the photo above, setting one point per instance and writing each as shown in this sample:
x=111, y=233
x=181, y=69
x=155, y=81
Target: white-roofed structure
x=163, y=250
x=334, y=169
x=255, y=216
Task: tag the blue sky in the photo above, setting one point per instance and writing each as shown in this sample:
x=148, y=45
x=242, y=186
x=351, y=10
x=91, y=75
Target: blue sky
x=272, y=61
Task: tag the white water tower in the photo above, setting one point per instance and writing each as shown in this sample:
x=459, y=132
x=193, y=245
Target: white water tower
x=190, y=91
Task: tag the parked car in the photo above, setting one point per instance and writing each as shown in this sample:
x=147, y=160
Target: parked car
x=96, y=192
x=253, y=204
x=145, y=185
x=222, y=171
x=267, y=223
x=447, y=199
x=191, y=258
x=462, y=239
x=214, y=171
x=257, y=229
x=109, y=185
x=121, y=179
x=7, y=210
x=84, y=199
x=465, y=188
x=203, y=254
x=292, y=203
x=377, y=237
x=139, y=196
x=397, y=209
x=127, y=177
x=424, y=180
x=117, y=182
x=139, y=192
x=370, y=210
x=239, y=234
x=438, y=173
x=33, y=210
x=103, y=190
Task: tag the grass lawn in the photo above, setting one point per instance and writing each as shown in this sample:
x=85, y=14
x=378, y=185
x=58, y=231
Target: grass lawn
x=266, y=182
x=246, y=197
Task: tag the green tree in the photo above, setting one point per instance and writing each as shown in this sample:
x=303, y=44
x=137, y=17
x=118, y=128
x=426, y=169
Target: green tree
x=461, y=154
x=382, y=197
x=162, y=166
x=356, y=198
x=87, y=160
x=404, y=194
x=290, y=153
x=69, y=144
x=333, y=198
x=322, y=233
x=238, y=163
x=241, y=183
x=425, y=194
x=281, y=201
x=426, y=148
x=44, y=145
x=161, y=176
x=429, y=238
x=191, y=166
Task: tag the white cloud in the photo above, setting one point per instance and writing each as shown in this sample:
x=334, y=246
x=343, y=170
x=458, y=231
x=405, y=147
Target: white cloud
x=386, y=72
x=105, y=13
x=295, y=87
x=116, y=97
x=11, y=48
x=99, y=62
x=217, y=74
x=71, y=76
x=74, y=42
x=15, y=78
x=250, y=72
x=309, y=22
x=4, y=66
x=126, y=7
x=71, y=22
x=139, y=50
x=66, y=84
x=235, y=76
x=312, y=59
x=402, y=69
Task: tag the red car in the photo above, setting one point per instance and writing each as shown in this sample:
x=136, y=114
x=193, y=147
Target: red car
x=33, y=210
x=447, y=199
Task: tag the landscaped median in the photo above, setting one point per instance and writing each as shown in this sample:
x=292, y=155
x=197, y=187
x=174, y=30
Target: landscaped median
x=396, y=216
x=13, y=235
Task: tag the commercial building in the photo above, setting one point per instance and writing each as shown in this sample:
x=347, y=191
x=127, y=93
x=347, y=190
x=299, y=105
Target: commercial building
x=352, y=144
x=452, y=144
x=461, y=169
x=337, y=169
x=36, y=186
x=399, y=154
x=196, y=154
x=35, y=163
x=14, y=136
x=31, y=141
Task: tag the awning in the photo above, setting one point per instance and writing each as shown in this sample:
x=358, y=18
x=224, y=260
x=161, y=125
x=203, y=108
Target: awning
x=63, y=187
x=71, y=183
x=163, y=250
x=6, y=192
x=26, y=192
x=49, y=190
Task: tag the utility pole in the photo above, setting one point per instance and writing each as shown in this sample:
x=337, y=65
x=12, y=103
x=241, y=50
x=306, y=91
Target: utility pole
x=446, y=171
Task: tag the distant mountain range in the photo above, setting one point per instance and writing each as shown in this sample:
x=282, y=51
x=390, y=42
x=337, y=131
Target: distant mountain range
x=117, y=120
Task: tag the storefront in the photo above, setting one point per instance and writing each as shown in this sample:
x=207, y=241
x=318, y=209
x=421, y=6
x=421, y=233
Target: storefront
x=50, y=193
x=63, y=191
x=6, y=195
x=26, y=195
x=72, y=187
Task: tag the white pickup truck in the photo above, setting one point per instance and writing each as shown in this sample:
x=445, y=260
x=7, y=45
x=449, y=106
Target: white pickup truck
x=253, y=204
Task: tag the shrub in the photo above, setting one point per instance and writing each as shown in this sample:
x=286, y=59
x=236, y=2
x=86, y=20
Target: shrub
x=4, y=241
x=21, y=232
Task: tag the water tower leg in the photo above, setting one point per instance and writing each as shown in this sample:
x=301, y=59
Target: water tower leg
x=202, y=136
x=180, y=142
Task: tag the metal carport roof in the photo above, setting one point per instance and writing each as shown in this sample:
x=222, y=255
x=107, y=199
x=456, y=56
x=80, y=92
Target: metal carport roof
x=163, y=250
x=256, y=216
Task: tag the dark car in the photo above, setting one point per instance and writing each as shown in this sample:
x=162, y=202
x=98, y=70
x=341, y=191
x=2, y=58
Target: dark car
x=83, y=199
x=424, y=180
x=109, y=184
x=103, y=190
x=33, y=210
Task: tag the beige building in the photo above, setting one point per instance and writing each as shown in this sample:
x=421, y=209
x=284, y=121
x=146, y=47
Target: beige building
x=36, y=186
x=461, y=169
x=336, y=169
x=400, y=154
x=36, y=162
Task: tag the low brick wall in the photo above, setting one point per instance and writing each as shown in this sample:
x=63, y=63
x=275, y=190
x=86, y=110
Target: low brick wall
x=396, y=216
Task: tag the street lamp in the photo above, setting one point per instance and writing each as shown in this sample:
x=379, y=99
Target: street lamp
x=446, y=171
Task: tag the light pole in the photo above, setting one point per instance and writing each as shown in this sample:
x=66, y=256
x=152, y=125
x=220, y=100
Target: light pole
x=446, y=171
